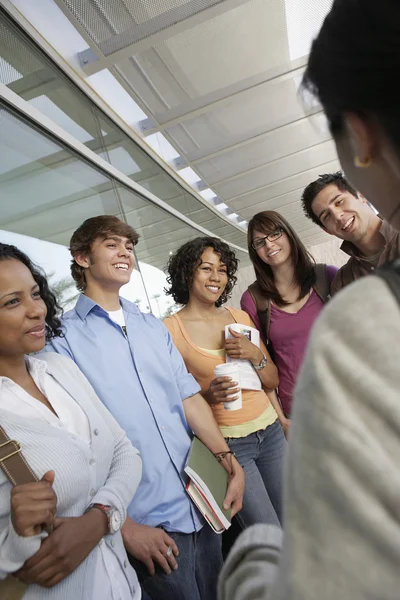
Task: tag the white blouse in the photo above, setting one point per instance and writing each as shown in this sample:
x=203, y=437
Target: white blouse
x=71, y=417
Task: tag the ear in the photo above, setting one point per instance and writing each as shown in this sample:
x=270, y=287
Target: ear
x=362, y=198
x=361, y=137
x=82, y=260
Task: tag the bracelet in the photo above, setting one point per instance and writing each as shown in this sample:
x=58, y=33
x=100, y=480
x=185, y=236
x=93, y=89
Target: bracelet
x=221, y=455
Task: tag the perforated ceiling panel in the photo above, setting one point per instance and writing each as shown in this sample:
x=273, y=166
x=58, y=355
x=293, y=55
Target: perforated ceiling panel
x=132, y=20
x=220, y=79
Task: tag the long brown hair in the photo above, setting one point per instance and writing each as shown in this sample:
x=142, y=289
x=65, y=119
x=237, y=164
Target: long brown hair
x=304, y=273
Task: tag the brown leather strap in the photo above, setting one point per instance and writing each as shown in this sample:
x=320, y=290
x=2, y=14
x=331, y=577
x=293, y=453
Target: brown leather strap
x=263, y=305
x=13, y=462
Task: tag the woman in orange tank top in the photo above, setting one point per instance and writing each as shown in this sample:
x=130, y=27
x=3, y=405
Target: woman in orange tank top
x=201, y=275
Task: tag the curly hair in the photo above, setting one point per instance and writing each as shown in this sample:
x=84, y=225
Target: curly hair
x=182, y=265
x=53, y=323
x=82, y=239
x=315, y=187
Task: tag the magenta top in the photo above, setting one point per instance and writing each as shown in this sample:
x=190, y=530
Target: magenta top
x=288, y=334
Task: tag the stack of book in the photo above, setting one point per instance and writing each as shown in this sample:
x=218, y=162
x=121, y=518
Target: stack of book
x=207, y=486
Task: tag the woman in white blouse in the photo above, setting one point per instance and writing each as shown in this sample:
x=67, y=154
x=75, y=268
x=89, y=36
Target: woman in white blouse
x=88, y=470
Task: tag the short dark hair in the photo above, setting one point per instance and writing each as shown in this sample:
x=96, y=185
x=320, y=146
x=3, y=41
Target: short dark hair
x=268, y=221
x=353, y=61
x=82, y=239
x=53, y=323
x=315, y=187
x=182, y=264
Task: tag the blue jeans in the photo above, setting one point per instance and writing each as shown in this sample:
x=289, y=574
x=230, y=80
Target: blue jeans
x=199, y=564
x=261, y=456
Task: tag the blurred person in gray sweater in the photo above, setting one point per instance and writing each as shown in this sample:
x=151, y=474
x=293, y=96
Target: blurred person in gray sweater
x=342, y=509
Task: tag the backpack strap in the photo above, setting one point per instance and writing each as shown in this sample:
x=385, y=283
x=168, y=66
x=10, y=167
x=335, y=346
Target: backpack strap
x=322, y=284
x=391, y=274
x=263, y=305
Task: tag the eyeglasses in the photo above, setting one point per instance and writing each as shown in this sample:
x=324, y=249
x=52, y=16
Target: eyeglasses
x=271, y=237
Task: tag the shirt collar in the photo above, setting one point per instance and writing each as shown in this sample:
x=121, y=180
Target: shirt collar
x=85, y=305
x=349, y=248
x=36, y=368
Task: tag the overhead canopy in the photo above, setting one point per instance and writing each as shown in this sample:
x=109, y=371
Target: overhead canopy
x=220, y=79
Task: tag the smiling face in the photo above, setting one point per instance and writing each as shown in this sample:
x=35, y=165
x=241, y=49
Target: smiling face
x=274, y=253
x=209, y=278
x=22, y=310
x=342, y=214
x=110, y=262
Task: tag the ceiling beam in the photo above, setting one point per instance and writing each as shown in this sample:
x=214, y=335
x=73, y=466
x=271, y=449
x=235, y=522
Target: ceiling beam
x=239, y=141
x=36, y=84
x=140, y=37
x=203, y=104
x=266, y=164
x=197, y=106
x=275, y=182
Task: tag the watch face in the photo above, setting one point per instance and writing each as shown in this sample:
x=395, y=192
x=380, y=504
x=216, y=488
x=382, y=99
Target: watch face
x=115, y=521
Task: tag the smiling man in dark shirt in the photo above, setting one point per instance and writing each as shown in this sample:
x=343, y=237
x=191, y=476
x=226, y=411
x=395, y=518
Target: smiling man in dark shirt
x=332, y=203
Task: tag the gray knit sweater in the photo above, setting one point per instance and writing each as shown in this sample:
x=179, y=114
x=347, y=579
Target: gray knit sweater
x=342, y=494
x=111, y=480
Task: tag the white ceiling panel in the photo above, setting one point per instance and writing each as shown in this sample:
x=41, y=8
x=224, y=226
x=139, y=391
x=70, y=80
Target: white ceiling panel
x=277, y=170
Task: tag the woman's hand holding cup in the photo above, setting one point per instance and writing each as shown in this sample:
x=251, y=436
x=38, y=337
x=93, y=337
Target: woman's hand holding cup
x=227, y=388
x=223, y=389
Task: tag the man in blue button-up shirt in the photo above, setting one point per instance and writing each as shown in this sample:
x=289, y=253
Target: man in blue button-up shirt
x=137, y=372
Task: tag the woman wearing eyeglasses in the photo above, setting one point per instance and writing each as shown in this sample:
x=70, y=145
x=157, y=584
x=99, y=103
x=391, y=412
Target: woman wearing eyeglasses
x=287, y=296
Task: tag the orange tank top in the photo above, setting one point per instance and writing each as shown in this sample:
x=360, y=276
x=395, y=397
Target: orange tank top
x=201, y=365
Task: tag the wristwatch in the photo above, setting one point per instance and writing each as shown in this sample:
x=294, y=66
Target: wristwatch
x=262, y=363
x=113, y=517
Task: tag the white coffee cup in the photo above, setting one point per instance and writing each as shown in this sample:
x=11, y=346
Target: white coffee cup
x=233, y=371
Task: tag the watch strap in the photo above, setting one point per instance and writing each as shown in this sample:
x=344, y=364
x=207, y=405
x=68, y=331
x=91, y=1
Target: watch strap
x=262, y=363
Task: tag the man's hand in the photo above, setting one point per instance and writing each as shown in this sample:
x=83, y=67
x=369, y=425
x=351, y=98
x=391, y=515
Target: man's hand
x=33, y=505
x=236, y=483
x=240, y=347
x=64, y=550
x=150, y=545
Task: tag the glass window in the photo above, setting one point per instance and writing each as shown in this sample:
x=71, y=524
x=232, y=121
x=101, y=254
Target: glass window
x=26, y=70
x=47, y=191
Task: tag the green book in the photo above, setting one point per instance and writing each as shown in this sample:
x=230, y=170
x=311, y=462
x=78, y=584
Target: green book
x=207, y=485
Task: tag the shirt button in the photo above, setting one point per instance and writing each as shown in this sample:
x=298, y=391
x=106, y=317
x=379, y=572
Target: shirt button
x=113, y=543
x=173, y=455
x=92, y=492
x=372, y=268
x=92, y=461
x=162, y=427
x=125, y=564
x=96, y=432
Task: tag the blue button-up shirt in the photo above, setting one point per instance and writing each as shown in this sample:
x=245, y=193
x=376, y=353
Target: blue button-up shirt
x=142, y=380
